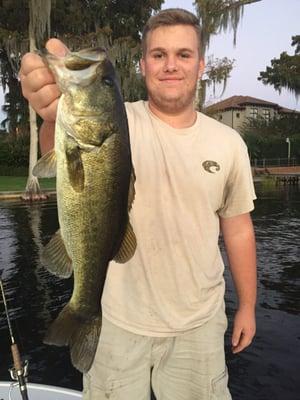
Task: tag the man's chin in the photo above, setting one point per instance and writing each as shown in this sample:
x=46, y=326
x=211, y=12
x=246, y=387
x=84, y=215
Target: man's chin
x=170, y=104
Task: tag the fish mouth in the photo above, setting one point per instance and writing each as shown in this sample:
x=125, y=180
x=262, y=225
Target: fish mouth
x=85, y=58
x=75, y=61
x=76, y=68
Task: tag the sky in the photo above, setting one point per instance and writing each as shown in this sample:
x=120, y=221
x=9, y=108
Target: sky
x=264, y=32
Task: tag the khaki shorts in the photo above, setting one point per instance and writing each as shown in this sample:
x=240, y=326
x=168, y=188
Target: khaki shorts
x=186, y=367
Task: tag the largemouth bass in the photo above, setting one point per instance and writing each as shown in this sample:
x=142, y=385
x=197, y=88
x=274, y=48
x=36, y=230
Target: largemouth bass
x=94, y=177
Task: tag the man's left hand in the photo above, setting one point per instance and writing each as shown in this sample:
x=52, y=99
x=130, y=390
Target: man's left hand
x=244, y=328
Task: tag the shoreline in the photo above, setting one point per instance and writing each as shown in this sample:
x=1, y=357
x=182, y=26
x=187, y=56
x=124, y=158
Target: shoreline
x=17, y=194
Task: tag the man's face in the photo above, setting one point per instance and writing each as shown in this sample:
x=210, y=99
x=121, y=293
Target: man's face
x=171, y=67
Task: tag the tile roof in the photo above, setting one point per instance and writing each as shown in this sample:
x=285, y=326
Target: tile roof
x=287, y=111
x=239, y=102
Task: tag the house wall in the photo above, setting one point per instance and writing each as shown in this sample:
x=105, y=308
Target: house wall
x=260, y=111
x=232, y=118
x=236, y=118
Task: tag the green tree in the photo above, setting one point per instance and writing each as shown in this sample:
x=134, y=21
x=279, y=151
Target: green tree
x=284, y=71
x=80, y=23
x=12, y=43
x=217, y=71
x=22, y=27
x=267, y=139
x=16, y=121
x=217, y=16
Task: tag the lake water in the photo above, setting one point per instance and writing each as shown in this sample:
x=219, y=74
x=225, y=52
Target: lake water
x=269, y=369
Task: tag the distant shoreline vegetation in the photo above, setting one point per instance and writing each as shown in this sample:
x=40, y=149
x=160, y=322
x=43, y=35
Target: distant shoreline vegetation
x=18, y=183
x=14, y=153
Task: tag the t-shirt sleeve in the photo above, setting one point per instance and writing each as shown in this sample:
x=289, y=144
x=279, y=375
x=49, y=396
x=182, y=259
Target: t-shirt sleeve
x=239, y=190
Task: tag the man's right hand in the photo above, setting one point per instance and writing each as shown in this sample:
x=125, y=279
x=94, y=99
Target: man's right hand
x=38, y=83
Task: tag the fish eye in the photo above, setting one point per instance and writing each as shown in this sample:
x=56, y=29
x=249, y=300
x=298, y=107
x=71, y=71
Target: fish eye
x=107, y=81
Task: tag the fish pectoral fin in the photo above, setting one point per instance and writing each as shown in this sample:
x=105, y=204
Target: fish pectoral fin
x=75, y=166
x=131, y=192
x=128, y=246
x=46, y=165
x=55, y=257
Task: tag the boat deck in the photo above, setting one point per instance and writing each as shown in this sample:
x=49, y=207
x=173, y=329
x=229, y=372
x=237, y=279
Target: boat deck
x=10, y=391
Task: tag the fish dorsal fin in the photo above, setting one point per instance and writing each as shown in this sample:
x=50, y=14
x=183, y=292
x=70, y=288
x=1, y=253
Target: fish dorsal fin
x=74, y=165
x=55, y=257
x=46, y=166
x=128, y=246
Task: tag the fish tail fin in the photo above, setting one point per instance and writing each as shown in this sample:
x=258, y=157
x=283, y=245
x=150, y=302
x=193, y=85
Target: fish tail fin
x=83, y=344
x=82, y=335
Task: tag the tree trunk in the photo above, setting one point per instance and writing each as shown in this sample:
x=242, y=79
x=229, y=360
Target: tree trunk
x=32, y=190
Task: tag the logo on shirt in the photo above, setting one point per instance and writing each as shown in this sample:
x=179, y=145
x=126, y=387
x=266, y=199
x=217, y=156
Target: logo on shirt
x=211, y=166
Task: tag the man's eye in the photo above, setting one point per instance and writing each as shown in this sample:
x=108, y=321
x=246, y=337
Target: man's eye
x=158, y=55
x=184, y=55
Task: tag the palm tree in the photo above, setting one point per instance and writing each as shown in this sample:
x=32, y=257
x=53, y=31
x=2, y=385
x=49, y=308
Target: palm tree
x=39, y=23
x=216, y=16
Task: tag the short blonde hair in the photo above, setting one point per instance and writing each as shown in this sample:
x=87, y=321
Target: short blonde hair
x=170, y=17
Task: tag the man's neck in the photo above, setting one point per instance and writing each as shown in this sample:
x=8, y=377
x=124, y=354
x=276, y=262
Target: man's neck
x=180, y=120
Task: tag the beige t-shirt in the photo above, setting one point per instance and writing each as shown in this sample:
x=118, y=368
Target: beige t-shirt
x=185, y=180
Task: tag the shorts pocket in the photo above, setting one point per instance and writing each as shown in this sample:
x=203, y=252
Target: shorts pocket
x=219, y=388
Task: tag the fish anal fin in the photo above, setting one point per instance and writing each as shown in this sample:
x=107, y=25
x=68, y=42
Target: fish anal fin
x=128, y=246
x=60, y=331
x=46, y=166
x=55, y=257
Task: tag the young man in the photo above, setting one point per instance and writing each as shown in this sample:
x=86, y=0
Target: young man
x=163, y=311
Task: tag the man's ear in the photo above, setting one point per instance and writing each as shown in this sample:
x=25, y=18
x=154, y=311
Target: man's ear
x=201, y=67
x=142, y=66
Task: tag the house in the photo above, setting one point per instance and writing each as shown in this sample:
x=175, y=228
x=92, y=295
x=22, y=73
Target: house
x=235, y=110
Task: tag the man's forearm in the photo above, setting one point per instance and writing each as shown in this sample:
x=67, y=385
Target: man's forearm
x=240, y=246
x=239, y=240
x=46, y=136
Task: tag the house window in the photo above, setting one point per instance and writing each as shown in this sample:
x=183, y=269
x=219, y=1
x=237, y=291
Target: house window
x=266, y=114
x=253, y=112
x=220, y=117
x=238, y=115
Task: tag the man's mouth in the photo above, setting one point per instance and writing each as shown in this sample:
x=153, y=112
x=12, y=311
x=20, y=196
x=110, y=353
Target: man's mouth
x=170, y=79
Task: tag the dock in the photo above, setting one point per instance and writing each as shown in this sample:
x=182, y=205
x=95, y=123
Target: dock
x=282, y=175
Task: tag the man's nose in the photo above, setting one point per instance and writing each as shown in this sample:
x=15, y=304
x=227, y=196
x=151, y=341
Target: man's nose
x=170, y=64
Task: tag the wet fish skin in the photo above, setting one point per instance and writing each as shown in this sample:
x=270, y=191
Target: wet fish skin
x=93, y=167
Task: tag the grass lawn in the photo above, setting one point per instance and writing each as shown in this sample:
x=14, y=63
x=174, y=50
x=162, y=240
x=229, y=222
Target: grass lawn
x=12, y=183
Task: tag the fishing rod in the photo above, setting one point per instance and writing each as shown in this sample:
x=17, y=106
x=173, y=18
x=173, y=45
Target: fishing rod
x=18, y=373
